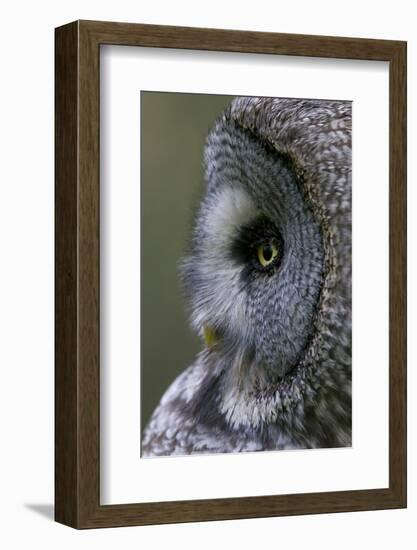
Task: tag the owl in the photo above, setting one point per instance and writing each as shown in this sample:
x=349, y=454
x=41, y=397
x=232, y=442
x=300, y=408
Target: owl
x=267, y=279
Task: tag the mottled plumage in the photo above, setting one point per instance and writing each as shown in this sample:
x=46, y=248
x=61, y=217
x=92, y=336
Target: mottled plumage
x=278, y=171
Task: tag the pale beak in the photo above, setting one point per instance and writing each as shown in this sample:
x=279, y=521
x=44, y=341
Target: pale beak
x=209, y=335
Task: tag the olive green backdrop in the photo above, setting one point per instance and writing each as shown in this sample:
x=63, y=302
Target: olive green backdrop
x=173, y=130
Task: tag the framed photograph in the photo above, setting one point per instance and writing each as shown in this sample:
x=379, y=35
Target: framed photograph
x=230, y=274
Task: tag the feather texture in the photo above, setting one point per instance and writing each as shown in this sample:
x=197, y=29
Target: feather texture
x=278, y=375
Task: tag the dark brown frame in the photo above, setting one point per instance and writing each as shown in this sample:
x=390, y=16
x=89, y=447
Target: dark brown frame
x=77, y=274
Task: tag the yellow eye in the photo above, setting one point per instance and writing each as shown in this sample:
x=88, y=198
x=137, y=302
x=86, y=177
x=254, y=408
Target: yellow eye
x=266, y=253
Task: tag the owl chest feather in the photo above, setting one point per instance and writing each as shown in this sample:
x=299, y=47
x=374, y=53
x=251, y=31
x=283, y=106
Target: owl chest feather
x=201, y=414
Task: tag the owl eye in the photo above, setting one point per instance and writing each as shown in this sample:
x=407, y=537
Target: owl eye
x=266, y=253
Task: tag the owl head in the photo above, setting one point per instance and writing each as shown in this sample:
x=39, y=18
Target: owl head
x=268, y=271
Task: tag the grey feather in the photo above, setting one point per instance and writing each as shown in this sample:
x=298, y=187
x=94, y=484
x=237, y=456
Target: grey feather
x=279, y=374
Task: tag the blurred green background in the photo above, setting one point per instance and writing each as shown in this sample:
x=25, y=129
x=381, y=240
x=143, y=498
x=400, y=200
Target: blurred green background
x=173, y=131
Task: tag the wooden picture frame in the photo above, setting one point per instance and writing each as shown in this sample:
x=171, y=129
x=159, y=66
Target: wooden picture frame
x=77, y=374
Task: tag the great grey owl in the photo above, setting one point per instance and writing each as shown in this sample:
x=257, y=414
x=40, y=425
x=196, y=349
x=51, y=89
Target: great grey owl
x=268, y=282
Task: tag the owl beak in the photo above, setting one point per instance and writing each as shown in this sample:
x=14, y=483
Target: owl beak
x=209, y=335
